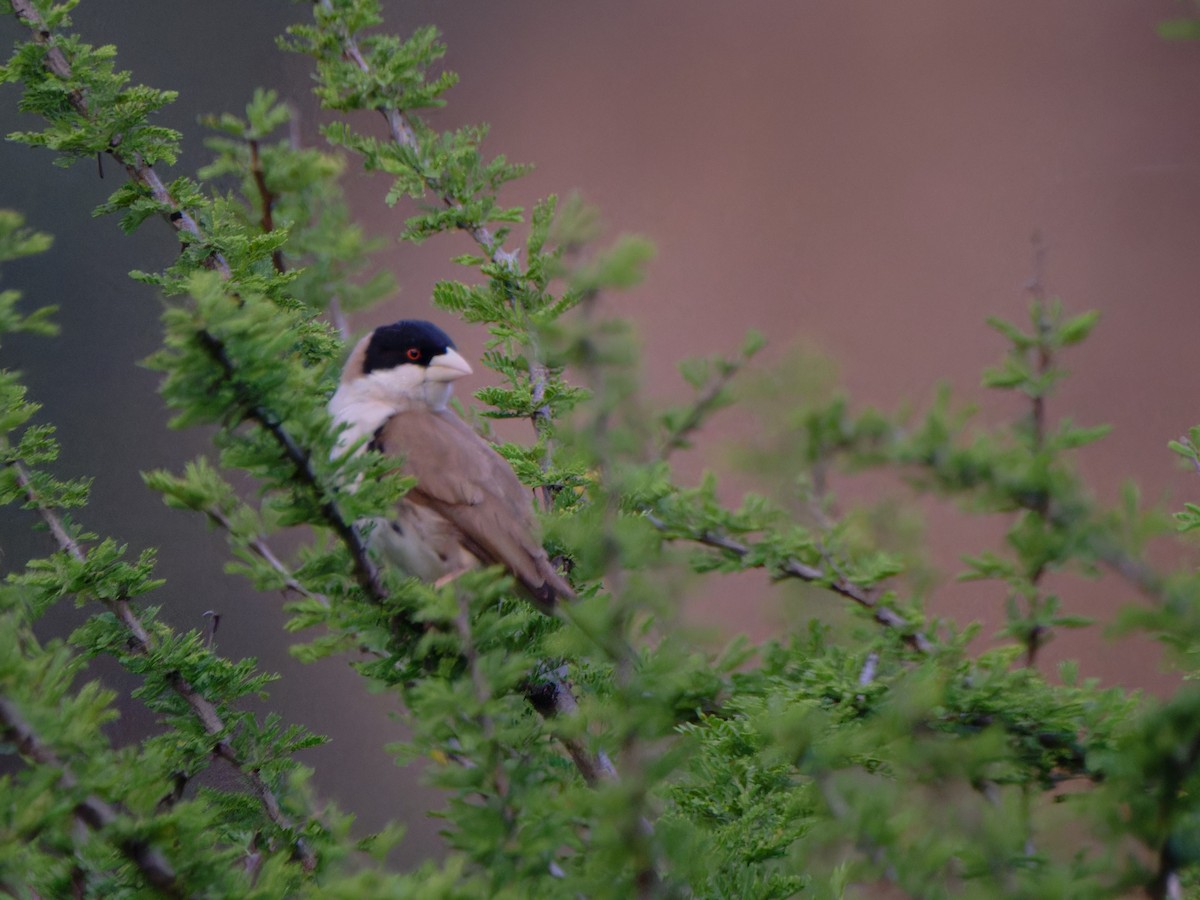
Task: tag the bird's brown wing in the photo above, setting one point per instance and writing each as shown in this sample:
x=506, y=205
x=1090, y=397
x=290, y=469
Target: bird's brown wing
x=461, y=477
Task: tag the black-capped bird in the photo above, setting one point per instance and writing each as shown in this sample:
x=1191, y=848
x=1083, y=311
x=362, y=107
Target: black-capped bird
x=467, y=508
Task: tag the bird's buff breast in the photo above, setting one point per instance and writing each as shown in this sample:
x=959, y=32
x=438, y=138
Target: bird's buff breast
x=419, y=542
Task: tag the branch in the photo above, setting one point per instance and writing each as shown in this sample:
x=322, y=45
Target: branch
x=1136, y=571
x=705, y=403
x=1044, y=360
x=139, y=171
x=142, y=644
x=1036, y=286
x=259, y=546
x=402, y=133
x=793, y=568
x=267, y=222
x=183, y=223
x=93, y=812
x=561, y=700
x=365, y=571
x=551, y=696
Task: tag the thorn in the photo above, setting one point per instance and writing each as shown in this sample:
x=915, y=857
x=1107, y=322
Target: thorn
x=214, y=618
x=867, y=675
x=507, y=258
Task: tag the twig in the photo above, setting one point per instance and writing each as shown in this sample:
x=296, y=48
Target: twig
x=92, y=811
x=259, y=546
x=337, y=317
x=867, y=675
x=1037, y=290
x=214, y=622
x=793, y=568
x=701, y=407
x=1136, y=571
x=267, y=199
x=1045, y=358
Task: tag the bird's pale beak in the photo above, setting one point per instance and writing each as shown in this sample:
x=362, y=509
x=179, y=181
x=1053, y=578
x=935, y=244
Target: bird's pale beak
x=447, y=366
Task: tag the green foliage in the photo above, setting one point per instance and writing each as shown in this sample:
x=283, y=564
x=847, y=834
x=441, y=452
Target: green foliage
x=79, y=810
x=601, y=751
x=118, y=114
x=295, y=190
x=1183, y=29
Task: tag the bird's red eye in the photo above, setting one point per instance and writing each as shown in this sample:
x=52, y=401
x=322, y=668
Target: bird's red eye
x=413, y=353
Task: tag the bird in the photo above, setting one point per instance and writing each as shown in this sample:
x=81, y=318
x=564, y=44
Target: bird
x=467, y=508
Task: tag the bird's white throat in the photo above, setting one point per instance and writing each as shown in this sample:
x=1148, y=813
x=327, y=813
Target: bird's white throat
x=365, y=403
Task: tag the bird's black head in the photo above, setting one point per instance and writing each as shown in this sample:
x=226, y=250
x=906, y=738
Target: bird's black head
x=409, y=341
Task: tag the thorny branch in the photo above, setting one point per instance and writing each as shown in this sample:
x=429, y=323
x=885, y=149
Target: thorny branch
x=365, y=571
x=563, y=701
x=142, y=644
x=182, y=223
x=260, y=548
x=793, y=568
x=1043, y=361
x=1036, y=286
x=139, y=171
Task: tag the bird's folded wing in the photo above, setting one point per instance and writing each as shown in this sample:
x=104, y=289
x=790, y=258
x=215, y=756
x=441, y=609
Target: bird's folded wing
x=464, y=479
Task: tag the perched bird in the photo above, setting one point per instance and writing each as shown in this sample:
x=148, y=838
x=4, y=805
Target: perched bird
x=467, y=508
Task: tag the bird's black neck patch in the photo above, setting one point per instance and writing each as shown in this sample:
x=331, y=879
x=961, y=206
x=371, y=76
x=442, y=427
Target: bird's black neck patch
x=411, y=342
